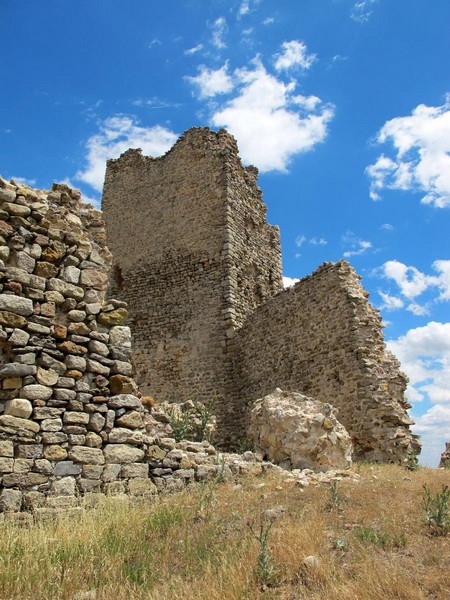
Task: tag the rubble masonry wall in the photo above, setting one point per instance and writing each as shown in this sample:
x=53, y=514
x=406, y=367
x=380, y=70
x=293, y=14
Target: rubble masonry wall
x=323, y=337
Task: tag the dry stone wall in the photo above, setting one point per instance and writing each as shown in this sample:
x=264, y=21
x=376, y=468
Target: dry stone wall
x=73, y=425
x=323, y=337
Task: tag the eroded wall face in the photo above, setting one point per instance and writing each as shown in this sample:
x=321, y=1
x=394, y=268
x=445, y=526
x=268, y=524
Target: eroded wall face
x=323, y=338
x=253, y=259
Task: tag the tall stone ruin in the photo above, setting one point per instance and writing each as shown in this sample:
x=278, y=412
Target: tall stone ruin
x=200, y=268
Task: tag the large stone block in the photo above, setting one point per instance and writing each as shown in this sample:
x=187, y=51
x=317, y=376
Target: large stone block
x=122, y=453
x=93, y=456
x=298, y=432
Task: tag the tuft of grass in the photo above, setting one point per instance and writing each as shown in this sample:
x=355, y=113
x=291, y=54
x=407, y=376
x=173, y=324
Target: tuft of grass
x=437, y=509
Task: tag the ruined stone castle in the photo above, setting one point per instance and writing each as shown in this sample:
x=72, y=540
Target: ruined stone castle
x=200, y=268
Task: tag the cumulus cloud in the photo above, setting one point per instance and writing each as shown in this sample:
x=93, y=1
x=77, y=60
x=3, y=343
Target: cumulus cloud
x=434, y=429
x=390, y=302
x=421, y=155
x=115, y=136
x=289, y=281
x=413, y=283
x=211, y=82
x=267, y=120
x=425, y=356
x=356, y=246
x=362, y=10
x=219, y=31
x=424, y=353
x=294, y=54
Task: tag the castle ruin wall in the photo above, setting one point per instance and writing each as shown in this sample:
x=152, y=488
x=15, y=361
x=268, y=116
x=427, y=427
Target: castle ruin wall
x=323, y=337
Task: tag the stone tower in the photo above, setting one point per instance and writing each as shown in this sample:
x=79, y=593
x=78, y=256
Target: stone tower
x=193, y=256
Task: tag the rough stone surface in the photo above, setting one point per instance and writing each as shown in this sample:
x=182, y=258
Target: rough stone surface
x=287, y=427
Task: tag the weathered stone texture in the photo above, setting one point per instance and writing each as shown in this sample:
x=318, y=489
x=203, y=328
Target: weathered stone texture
x=298, y=432
x=323, y=337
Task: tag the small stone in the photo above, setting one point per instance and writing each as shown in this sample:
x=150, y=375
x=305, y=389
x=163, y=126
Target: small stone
x=9, y=319
x=63, y=487
x=45, y=269
x=71, y=274
x=19, y=407
x=6, y=449
x=10, y=500
x=122, y=453
x=55, y=453
x=93, y=278
x=19, y=338
x=47, y=377
x=312, y=563
x=120, y=336
x=16, y=304
x=76, y=316
x=114, y=317
x=142, y=487
x=124, y=401
x=75, y=418
x=18, y=425
x=36, y=392
x=17, y=370
x=121, y=384
x=132, y=420
x=84, y=455
x=66, y=467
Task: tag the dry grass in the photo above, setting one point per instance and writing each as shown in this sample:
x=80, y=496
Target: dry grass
x=372, y=545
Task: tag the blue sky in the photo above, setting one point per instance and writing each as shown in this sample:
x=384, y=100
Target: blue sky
x=343, y=105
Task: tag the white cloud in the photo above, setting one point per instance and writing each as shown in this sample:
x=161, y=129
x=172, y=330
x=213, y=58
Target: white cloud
x=289, y=281
x=390, y=302
x=268, y=123
x=293, y=54
x=443, y=279
x=434, y=429
x=356, y=245
x=212, y=82
x=155, y=42
x=413, y=283
x=116, y=135
x=421, y=160
x=193, y=50
x=246, y=7
x=362, y=10
x=410, y=280
x=425, y=356
x=314, y=241
x=219, y=31
x=268, y=21
x=424, y=353
x=24, y=181
x=387, y=227
x=318, y=241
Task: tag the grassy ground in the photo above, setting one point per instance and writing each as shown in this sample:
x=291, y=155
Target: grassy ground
x=369, y=538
